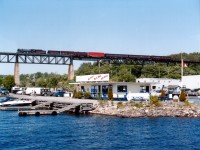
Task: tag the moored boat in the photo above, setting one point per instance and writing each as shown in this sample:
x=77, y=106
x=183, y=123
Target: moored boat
x=17, y=102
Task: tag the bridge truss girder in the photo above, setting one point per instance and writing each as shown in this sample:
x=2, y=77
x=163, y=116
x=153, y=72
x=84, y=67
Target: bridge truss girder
x=132, y=61
x=34, y=59
x=145, y=62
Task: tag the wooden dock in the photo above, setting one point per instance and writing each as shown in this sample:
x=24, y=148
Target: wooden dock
x=55, y=108
x=37, y=112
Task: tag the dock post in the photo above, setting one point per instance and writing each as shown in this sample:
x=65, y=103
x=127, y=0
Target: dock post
x=77, y=109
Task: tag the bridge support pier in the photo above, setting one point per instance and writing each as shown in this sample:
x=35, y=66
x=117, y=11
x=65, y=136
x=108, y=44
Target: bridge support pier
x=16, y=74
x=71, y=72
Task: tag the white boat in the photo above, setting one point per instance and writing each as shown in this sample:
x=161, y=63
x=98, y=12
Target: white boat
x=15, y=103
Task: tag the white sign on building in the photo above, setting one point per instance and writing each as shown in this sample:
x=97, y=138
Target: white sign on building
x=93, y=78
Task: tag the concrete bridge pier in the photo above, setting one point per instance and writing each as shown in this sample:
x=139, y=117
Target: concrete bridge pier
x=16, y=74
x=71, y=72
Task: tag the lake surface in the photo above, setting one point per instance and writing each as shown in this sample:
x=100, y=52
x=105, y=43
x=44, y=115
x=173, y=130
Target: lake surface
x=98, y=132
x=195, y=100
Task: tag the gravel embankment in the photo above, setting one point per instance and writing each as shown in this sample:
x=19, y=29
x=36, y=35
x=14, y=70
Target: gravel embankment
x=168, y=109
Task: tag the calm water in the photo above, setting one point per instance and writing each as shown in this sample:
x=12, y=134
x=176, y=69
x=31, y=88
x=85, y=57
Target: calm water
x=97, y=132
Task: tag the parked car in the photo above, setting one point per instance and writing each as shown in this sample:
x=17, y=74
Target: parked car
x=58, y=94
x=46, y=92
x=193, y=92
x=4, y=91
x=20, y=92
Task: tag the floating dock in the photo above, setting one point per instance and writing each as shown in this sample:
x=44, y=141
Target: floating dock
x=37, y=112
x=55, y=108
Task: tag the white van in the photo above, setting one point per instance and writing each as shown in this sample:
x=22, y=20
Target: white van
x=17, y=89
x=32, y=90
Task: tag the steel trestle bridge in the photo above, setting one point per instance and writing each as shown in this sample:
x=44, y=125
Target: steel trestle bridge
x=67, y=59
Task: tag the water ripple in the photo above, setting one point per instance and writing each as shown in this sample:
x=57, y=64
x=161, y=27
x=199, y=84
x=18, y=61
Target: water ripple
x=97, y=132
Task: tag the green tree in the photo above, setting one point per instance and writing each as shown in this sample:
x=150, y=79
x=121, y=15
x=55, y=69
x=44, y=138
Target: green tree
x=136, y=70
x=52, y=82
x=41, y=83
x=8, y=82
x=85, y=69
x=1, y=81
x=150, y=71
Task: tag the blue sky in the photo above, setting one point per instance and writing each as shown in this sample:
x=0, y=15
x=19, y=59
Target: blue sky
x=146, y=27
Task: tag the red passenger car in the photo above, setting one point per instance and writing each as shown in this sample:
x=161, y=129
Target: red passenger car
x=95, y=54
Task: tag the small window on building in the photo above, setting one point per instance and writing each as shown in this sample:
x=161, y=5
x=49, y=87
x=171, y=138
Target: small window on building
x=122, y=88
x=82, y=89
x=105, y=89
x=153, y=87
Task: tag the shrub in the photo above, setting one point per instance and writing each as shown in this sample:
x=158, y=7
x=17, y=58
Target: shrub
x=155, y=101
x=182, y=96
x=79, y=94
x=97, y=97
x=120, y=105
x=132, y=103
x=138, y=105
x=87, y=95
x=162, y=94
x=187, y=103
x=74, y=94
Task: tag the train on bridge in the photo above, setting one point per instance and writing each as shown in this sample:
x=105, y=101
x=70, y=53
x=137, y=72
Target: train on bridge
x=93, y=54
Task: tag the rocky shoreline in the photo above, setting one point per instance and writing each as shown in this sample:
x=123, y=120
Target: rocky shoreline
x=168, y=109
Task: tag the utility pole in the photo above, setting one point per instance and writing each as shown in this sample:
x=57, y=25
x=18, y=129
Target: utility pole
x=181, y=67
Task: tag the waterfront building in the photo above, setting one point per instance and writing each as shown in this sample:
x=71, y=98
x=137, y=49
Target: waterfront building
x=159, y=83
x=99, y=84
x=191, y=81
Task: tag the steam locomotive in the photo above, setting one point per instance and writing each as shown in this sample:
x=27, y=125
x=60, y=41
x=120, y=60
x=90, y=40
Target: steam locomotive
x=28, y=51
